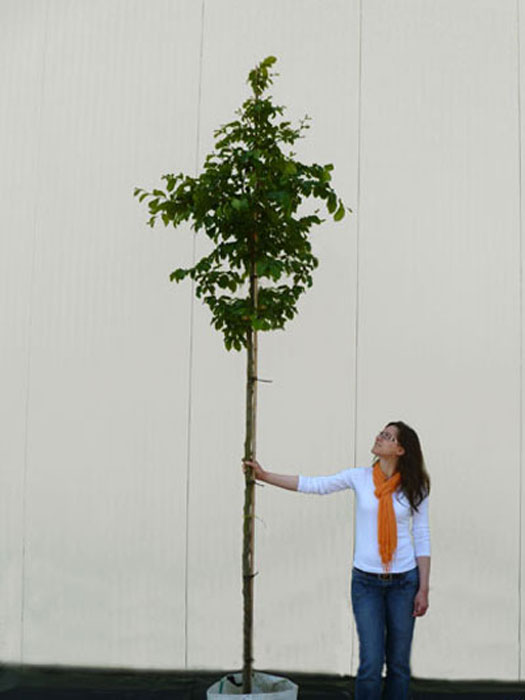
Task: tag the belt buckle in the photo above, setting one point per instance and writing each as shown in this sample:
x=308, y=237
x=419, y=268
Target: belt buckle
x=385, y=577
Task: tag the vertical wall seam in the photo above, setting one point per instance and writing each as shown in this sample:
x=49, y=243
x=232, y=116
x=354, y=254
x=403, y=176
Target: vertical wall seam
x=190, y=360
x=356, y=309
x=521, y=336
x=30, y=328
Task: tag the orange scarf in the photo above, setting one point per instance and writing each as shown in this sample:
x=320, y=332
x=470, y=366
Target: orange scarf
x=386, y=519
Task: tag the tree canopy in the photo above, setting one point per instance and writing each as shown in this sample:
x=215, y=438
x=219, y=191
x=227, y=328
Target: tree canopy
x=245, y=200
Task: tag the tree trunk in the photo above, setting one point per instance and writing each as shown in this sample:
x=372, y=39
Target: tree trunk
x=249, y=491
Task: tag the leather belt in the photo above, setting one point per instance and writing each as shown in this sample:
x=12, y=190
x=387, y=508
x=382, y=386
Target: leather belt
x=381, y=577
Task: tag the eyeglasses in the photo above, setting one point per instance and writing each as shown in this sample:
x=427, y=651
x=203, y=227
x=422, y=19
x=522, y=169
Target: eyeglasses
x=387, y=436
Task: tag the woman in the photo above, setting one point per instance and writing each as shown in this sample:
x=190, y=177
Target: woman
x=390, y=574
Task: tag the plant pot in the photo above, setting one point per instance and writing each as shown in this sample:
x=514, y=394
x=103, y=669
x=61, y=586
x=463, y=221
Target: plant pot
x=264, y=687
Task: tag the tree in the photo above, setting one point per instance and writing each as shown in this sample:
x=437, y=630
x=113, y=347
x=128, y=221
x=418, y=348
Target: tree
x=245, y=201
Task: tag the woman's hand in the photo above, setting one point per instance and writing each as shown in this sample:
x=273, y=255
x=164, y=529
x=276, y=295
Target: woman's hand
x=420, y=603
x=258, y=471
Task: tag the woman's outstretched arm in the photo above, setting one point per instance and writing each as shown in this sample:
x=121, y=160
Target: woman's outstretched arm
x=344, y=479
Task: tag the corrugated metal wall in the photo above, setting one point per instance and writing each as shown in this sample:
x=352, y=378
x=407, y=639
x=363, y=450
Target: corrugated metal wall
x=123, y=414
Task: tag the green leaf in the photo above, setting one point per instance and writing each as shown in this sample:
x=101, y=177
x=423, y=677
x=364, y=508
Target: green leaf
x=178, y=274
x=239, y=204
x=171, y=183
x=332, y=203
x=325, y=175
x=269, y=61
x=340, y=212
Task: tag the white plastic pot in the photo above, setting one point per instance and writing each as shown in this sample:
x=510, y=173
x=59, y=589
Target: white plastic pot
x=264, y=687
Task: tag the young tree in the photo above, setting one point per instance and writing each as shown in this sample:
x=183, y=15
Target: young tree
x=246, y=202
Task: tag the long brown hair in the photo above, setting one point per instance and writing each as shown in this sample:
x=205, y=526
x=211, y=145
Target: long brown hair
x=415, y=481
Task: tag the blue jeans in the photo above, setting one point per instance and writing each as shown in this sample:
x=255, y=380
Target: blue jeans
x=385, y=626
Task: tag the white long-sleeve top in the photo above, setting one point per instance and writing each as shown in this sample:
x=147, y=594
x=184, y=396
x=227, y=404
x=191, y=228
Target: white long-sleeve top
x=366, y=554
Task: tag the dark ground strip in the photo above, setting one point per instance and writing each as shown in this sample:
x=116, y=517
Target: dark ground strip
x=71, y=683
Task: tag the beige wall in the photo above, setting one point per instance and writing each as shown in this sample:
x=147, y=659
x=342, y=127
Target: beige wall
x=123, y=414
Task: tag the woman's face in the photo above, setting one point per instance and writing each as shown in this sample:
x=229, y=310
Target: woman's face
x=386, y=443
